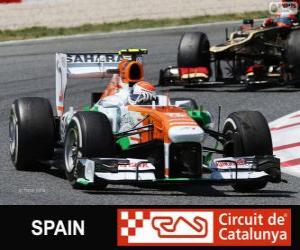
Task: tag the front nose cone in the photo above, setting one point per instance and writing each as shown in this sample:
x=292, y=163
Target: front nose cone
x=186, y=134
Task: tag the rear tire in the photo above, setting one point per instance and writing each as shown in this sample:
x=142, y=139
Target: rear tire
x=193, y=50
x=247, y=134
x=31, y=132
x=88, y=135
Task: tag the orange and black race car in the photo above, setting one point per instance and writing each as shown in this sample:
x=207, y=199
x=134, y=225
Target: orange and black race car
x=132, y=135
x=253, y=55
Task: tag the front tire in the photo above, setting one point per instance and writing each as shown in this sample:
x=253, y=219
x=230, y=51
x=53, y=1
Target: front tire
x=247, y=134
x=31, y=132
x=89, y=135
x=193, y=50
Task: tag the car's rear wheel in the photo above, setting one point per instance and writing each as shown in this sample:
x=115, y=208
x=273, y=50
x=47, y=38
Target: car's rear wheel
x=31, y=132
x=247, y=134
x=89, y=135
x=193, y=50
x=293, y=55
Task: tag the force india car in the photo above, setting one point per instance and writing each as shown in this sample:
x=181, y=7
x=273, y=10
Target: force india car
x=251, y=56
x=161, y=142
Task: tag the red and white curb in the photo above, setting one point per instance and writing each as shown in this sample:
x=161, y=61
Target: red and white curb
x=286, y=142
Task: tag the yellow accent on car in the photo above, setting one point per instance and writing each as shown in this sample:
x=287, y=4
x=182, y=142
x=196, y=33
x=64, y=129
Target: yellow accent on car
x=137, y=51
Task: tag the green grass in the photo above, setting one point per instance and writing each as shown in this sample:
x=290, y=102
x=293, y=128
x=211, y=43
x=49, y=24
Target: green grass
x=37, y=32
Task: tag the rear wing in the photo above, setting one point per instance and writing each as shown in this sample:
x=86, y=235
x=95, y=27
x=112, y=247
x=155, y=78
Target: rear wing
x=88, y=65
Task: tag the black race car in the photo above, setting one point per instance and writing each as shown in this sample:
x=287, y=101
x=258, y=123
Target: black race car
x=252, y=55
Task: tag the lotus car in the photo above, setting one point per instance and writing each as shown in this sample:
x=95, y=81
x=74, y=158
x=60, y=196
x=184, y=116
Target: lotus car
x=252, y=56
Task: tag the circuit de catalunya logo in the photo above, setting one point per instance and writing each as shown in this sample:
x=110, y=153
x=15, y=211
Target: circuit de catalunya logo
x=208, y=227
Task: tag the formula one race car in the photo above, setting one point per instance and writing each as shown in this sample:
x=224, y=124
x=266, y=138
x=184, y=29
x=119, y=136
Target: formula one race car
x=253, y=55
x=161, y=141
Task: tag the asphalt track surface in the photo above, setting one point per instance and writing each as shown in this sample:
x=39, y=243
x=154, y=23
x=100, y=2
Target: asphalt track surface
x=28, y=69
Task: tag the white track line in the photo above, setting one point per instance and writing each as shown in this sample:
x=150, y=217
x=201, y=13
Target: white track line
x=280, y=136
x=288, y=154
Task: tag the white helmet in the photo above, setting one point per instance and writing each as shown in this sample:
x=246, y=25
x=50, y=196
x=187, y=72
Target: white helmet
x=143, y=93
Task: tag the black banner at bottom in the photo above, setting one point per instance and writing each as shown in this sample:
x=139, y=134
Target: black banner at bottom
x=109, y=227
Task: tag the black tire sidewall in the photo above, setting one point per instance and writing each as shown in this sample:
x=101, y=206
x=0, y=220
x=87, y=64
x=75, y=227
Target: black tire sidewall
x=96, y=136
x=293, y=53
x=193, y=50
x=253, y=132
x=251, y=137
x=36, y=132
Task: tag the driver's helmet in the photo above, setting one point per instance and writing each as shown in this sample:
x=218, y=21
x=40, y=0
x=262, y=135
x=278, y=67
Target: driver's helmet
x=285, y=21
x=288, y=17
x=143, y=93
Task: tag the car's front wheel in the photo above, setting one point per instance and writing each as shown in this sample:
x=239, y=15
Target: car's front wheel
x=89, y=135
x=247, y=134
x=193, y=50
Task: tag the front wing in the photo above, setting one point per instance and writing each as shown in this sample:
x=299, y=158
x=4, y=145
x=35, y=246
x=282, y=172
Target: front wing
x=170, y=77
x=137, y=171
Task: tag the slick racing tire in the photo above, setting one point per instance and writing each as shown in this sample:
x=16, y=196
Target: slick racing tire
x=190, y=104
x=193, y=50
x=89, y=135
x=31, y=132
x=293, y=55
x=247, y=134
